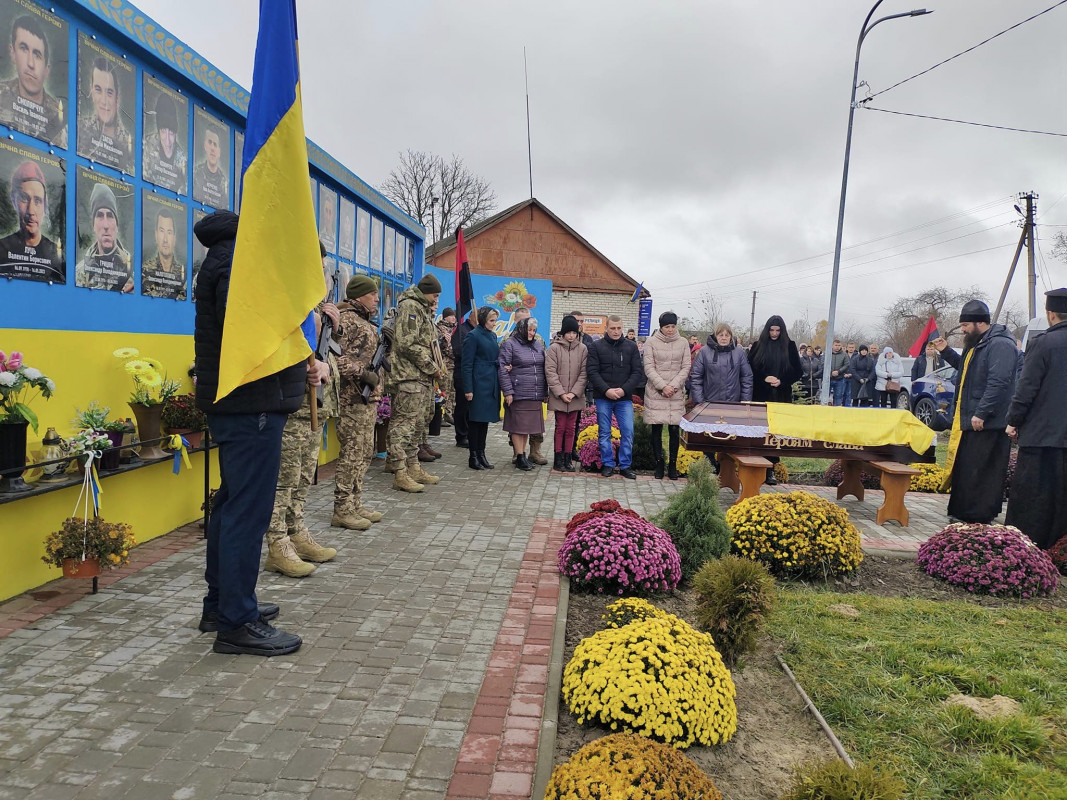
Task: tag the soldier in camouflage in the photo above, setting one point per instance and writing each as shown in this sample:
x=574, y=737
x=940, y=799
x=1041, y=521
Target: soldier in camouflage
x=163, y=158
x=358, y=338
x=107, y=263
x=445, y=328
x=102, y=136
x=416, y=362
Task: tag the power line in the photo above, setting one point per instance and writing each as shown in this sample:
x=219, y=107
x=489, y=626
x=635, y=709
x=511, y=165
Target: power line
x=962, y=53
x=966, y=122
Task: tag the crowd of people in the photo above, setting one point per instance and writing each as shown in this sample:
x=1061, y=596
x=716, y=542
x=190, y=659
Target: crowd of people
x=268, y=446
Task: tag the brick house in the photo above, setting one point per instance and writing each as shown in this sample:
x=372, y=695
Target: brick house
x=529, y=241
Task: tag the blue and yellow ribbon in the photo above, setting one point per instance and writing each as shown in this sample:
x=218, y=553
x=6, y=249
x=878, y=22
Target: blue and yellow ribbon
x=180, y=445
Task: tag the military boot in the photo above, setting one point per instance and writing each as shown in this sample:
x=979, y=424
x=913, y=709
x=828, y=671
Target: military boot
x=425, y=455
x=367, y=514
x=429, y=449
x=404, y=481
x=421, y=475
x=349, y=520
x=282, y=557
x=535, y=452
x=310, y=550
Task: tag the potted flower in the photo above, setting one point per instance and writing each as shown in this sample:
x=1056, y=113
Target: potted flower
x=180, y=415
x=82, y=547
x=95, y=418
x=19, y=386
x=84, y=441
x=151, y=389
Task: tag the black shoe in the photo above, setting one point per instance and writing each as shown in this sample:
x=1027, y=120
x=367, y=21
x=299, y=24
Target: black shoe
x=628, y=473
x=474, y=463
x=607, y=472
x=523, y=463
x=461, y=441
x=660, y=468
x=672, y=472
x=771, y=480
x=568, y=463
x=256, y=638
x=557, y=462
x=484, y=461
x=209, y=620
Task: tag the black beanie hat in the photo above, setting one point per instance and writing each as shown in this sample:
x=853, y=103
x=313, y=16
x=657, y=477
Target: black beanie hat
x=570, y=324
x=975, y=311
x=1056, y=301
x=668, y=318
x=429, y=284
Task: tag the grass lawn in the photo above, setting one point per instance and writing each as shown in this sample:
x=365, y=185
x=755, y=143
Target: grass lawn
x=880, y=680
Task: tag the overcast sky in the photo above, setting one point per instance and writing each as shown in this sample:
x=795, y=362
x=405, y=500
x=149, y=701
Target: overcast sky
x=699, y=145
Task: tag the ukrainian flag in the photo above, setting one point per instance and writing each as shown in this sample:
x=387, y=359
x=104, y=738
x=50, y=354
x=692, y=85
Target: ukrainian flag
x=276, y=279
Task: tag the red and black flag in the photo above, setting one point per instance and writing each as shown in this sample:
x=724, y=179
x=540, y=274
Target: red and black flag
x=464, y=287
x=929, y=332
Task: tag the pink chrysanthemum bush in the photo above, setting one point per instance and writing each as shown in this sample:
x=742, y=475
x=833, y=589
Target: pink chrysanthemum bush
x=989, y=559
x=599, y=509
x=620, y=554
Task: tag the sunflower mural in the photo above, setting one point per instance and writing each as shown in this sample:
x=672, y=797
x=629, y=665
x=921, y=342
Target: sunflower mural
x=512, y=297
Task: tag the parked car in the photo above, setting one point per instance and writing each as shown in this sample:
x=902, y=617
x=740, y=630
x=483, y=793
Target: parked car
x=904, y=398
x=932, y=393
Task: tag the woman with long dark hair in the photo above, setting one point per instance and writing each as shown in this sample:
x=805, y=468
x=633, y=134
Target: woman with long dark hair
x=775, y=368
x=480, y=387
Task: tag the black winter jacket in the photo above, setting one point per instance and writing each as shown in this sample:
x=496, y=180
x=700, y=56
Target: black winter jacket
x=990, y=379
x=1037, y=407
x=615, y=363
x=460, y=334
x=281, y=392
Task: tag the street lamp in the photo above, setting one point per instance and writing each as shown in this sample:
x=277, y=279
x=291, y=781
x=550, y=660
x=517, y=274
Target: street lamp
x=868, y=26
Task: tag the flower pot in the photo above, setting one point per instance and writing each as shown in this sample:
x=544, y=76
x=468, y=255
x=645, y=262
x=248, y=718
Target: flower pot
x=194, y=438
x=148, y=428
x=109, y=459
x=13, y=456
x=76, y=568
x=381, y=437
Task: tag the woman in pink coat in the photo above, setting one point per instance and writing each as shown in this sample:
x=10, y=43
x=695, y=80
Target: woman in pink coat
x=565, y=366
x=667, y=362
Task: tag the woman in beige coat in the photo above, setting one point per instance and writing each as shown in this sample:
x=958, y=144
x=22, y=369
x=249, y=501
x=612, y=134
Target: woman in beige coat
x=565, y=365
x=667, y=362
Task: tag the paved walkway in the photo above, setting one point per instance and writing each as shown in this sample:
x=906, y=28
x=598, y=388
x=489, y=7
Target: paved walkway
x=422, y=675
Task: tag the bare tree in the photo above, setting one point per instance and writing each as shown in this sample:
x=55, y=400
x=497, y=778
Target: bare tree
x=439, y=194
x=904, y=320
x=1059, y=246
x=708, y=311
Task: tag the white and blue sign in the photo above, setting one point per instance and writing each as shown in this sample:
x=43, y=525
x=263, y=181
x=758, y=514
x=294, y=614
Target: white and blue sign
x=644, y=317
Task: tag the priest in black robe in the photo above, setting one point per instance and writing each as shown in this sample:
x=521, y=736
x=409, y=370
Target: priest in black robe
x=1038, y=502
x=979, y=464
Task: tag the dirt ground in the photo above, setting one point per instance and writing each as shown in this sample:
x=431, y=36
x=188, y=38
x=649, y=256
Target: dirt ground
x=775, y=731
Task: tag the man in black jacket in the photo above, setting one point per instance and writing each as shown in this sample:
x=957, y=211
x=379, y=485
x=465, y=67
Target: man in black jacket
x=615, y=371
x=247, y=425
x=927, y=362
x=459, y=414
x=1038, y=502
x=979, y=463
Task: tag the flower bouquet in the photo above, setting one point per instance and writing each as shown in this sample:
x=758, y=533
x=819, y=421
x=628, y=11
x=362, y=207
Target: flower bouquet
x=151, y=389
x=83, y=546
x=95, y=419
x=19, y=386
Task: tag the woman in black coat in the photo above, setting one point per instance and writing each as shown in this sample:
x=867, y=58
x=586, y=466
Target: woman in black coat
x=480, y=386
x=863, y=377
x=775, y=368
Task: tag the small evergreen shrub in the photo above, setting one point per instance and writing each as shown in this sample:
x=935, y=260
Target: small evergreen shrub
x=796, y=535
x=642, y=445
x=695, y=521
x=835, y=473
x=989, y=559
x=630, y=766
x=1058, y=554
x=836, y=780
x=619, y=554
x=781, y=472
x=734, y=596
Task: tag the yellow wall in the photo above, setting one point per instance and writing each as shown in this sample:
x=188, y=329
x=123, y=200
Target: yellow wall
x=151, y=499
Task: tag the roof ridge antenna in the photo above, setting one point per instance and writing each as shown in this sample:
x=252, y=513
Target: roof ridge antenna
x=529, y=146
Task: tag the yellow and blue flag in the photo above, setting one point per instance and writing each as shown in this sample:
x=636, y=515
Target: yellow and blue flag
x=276, y=279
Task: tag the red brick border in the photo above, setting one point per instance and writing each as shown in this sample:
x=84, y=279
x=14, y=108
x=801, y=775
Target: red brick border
x=499, y=752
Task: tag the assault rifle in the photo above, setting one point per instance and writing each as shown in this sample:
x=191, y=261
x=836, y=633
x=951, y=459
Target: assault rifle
x=380, y=360
x=326, y=343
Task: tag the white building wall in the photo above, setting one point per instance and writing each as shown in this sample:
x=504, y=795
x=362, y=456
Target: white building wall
x=593, y=303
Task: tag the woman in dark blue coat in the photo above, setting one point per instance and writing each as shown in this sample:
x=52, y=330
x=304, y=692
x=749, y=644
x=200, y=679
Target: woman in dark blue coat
x=480, y=385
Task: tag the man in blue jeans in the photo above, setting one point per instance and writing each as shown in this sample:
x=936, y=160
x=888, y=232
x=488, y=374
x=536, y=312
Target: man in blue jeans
x=839, y=369
x=615, y=372
x=247, y=426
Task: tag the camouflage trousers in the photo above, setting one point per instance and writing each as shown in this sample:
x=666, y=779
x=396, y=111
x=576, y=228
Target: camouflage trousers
x=411, y=410
x=300, y=456
x=355, y=430
x=449, y=388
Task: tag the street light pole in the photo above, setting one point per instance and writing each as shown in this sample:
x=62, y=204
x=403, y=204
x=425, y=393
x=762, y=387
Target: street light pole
x=868, y=26
x=433, y=220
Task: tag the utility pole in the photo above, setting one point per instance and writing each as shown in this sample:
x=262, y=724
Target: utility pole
x=752, y=319
x=1031, y=273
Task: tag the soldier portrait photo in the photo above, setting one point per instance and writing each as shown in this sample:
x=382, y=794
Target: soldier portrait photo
x=376, y=227
x=105, y=104
x=362, y=237
x=33, y=79
x=105, y=230
x=211, y=175
x=346, y=245
x=390, y=247
x=328, y=218
x=199, y=251
x=34, y=221
x=164, y=154
x=163, y=238
x=238, y=156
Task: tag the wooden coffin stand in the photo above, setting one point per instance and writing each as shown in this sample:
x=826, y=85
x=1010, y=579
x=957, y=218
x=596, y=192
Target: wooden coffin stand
x=741, y=443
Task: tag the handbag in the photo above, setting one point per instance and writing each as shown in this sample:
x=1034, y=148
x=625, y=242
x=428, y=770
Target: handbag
x=892, y=386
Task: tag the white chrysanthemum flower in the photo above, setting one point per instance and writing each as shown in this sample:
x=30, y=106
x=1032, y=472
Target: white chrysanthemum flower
x=31, y=373
x=7, y=378
x=50, y=384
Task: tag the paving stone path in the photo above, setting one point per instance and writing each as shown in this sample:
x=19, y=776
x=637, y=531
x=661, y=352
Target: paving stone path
x=424, y=653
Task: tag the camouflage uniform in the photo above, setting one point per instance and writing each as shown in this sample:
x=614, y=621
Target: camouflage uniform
x=300, y=456
x=111, y=271
x=41, y=120
x=114, y=150
x=411, y=380
x=158, y=282
x=157, y=168
x=446, y=385
x=358, y=338
x=212, y=188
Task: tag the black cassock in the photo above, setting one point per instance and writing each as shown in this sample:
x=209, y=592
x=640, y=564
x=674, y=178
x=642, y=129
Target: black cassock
x=978, y=475
x=1038, y=502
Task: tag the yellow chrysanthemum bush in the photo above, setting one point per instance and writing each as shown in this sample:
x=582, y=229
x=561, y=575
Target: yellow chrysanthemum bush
x=686, y=459
x=798, y=534
x=931, y=478
x=623, y=765
x=630, y=609
x=656, y=676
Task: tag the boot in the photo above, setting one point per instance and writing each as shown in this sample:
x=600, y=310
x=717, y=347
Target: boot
x=672, y=465
x=535, y=453
x=660, y=467
x=392, y=468
x=568, y=463
x=523, y=463
x=282, y=557
x=425, y=455
x=429, y=449
x=771, y=480
x=473, y=461
x=310, y=550
x=367, y=514
x=351, y=521
x=484, y=461
x=421, y=475
x=403, y=481
x=557, y=462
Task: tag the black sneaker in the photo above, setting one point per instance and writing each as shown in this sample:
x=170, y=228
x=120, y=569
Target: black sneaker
x=628, y=473
x=209, y=621
x=256, y=638
x=607, y=472
x=461, y=441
